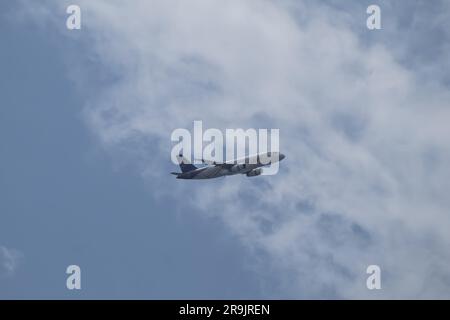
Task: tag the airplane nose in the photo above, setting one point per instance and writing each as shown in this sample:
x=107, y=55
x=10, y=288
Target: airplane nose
x=282, y=156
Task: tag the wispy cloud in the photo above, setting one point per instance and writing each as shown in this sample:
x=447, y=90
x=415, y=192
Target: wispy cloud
x=9, y=260
x=365, y=132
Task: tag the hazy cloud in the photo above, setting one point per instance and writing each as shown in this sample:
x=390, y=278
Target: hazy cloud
x=9, y=260
x=365, y=132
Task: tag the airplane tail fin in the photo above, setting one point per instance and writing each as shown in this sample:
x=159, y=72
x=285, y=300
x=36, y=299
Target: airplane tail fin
x=185, y=165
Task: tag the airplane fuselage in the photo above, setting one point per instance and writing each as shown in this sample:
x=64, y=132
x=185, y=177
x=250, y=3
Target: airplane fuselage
x=251, y=166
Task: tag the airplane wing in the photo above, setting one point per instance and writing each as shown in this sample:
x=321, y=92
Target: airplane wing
x=217, y=164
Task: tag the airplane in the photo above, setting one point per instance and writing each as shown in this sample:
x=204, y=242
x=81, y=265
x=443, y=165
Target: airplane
x=251, y=166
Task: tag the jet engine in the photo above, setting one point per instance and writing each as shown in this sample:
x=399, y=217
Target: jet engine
x=254, y=172
x=238, y=168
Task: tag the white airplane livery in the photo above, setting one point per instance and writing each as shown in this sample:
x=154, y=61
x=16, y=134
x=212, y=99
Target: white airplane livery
x=251, y=166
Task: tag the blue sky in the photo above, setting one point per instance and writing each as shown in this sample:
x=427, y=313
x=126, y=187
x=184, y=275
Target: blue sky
x=85, y=123
x=62, y=205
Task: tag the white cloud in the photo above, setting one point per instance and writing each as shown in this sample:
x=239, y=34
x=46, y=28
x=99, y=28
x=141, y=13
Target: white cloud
x=9, y=260
x=366, y=176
